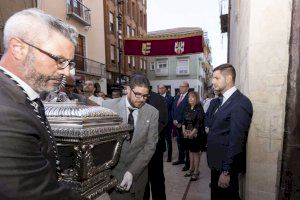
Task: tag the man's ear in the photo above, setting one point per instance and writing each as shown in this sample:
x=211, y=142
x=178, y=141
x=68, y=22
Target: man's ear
x=127, y=89
x=17, y=49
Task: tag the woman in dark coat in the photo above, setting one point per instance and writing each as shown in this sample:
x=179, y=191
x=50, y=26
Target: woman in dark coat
x=193, y=131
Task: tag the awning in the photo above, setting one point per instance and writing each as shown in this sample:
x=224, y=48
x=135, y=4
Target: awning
x=164, y=45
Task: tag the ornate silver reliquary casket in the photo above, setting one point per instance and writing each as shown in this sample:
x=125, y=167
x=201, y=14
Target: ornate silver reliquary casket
x=89, y=140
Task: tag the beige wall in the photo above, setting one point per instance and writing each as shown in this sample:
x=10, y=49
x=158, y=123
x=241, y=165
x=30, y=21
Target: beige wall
x=259, y=44
x=94, y=35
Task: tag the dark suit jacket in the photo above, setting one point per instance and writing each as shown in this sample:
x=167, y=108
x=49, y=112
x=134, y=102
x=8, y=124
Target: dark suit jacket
x=177, y=111
x=27, y=165
x=169, y=99
x=213, y=105
x=159, y=102
x=228, y=133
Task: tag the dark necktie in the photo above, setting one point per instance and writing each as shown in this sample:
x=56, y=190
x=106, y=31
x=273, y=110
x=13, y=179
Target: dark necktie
x=220, y=98
x=41, y=109
x=131, y=121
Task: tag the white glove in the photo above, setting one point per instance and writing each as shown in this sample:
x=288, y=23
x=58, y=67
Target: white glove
x=127, y=181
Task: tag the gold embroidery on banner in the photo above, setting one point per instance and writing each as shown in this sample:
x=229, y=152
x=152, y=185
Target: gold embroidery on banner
x=146, y=47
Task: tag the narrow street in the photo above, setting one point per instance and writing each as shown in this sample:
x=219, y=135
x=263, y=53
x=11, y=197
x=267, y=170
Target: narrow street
x=179, y=187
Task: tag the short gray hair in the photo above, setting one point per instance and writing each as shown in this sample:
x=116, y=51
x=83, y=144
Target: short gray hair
x=33, y=24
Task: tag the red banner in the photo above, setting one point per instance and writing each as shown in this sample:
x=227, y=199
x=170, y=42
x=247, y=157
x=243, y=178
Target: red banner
x=164, y=45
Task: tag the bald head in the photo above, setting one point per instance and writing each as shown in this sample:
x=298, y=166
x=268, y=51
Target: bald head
x=162, y=89
x=184, y=87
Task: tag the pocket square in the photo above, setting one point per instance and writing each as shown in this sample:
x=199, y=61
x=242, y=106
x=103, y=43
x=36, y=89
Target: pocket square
x=148, y=121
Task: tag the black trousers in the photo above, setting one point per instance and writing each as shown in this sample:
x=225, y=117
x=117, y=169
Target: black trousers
x=183, y=152
x=156, y=177
x=168, y=137
x=229, y=193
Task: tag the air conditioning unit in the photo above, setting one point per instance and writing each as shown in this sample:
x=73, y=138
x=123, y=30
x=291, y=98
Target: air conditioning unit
x=182, y=70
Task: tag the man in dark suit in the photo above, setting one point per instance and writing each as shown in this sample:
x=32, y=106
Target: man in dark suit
x=179, y=105
x=227, y=135
x=156, y=177
x=162, y=90
x=38, y=53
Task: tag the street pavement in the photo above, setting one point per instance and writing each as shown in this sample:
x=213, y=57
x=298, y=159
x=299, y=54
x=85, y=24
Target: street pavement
x=179, y=187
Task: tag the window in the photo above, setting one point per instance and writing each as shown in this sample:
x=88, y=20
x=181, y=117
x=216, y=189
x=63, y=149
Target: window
x=112, y=53
x=145, y=22
x=162, y=67
x=182, y=66
x=141, y=18
x=152, y=66
x=111, y=22
x=133, y=10
x=128, y=8
x=128, y=31
x=162, y=64
x=133, y=61
x=145, y=65
x=80, y=52
x=132, y=32
x=118, y=55
x=129, y=61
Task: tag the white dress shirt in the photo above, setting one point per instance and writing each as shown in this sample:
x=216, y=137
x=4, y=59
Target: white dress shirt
x=29, y=91
x=135, y=113
x=97, y=100
x=228, y=93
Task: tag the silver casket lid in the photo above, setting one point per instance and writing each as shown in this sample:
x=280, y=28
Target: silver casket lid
x=75, y=120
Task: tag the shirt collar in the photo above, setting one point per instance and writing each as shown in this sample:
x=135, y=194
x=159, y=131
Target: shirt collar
x=164, y=95
x=183, y=95
x=128, y=105
x=228, y=93
x=29, y=91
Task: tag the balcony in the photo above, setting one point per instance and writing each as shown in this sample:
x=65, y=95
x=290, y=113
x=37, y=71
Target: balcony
x=90, y=67
x=161, y=72
x=78, y=11
x=182, y=70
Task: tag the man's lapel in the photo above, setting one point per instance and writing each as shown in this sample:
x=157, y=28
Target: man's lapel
x=140, y=124
x=228, y=102
x=122, y=109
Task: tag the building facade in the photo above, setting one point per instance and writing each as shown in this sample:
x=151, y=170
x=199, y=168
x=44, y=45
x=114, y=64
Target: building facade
x=172, y=70
x=264, y=47
x=123, y=18
x=87, y=17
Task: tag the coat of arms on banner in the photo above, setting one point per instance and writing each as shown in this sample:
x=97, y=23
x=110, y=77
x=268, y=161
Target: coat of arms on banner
x=146, y=47
x=179, y=47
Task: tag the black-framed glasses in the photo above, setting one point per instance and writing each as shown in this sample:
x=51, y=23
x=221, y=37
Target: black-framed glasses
x=139, y=95
x=61, y=62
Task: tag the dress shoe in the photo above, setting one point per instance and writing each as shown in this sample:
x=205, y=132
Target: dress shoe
x=188, y=174
x=169, y=160
x=178, y=162
x=195, y=176
x=185, y=168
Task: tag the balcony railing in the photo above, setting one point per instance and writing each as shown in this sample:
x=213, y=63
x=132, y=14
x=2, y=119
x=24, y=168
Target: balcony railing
x=162, y=72
x=79, y=11
x=88, y=66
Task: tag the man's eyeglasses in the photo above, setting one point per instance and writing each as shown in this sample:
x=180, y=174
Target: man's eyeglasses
x=139, y=95
x=61, y=62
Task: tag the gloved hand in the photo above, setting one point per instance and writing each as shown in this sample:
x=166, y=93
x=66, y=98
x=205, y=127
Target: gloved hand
x=127, y=181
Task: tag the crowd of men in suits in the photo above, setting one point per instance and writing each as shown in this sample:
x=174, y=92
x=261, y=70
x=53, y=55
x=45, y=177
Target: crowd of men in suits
x=29, y=165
